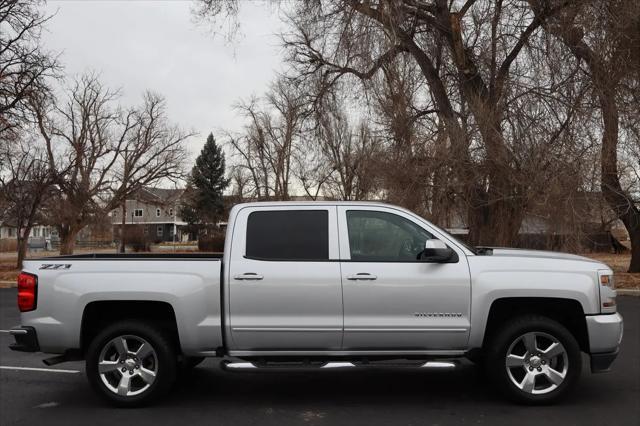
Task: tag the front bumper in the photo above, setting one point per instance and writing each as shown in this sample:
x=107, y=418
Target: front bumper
x=601, y=363
x=605, y=335
x=26, y=339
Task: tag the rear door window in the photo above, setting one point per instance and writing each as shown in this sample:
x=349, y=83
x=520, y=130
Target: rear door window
x=288, y=235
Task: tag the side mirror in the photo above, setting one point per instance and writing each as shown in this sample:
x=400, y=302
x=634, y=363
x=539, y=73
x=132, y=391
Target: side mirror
x=435, y=251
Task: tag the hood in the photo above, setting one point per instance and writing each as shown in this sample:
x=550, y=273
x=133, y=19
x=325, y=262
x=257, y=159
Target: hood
x=508, y=252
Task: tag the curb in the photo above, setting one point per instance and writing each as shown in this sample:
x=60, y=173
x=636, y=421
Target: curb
x=628, y=291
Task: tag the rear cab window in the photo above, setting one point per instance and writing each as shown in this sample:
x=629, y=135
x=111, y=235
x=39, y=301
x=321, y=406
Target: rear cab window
x=288, y=235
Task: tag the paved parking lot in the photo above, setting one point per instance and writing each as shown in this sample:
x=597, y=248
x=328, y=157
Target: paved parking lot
x=210, y=396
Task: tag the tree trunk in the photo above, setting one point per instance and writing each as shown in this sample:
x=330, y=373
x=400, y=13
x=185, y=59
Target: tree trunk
x=496, y=214
x=124, y=221
x=495, y=225
x=634, y=266
x=22, y=246
x=440, y=207
x=620, y=202
x=501, y=205
x=606, y=87
x=442, y=180
x=68, y=236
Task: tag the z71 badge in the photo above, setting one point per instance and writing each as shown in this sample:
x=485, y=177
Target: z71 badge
x=55, y=266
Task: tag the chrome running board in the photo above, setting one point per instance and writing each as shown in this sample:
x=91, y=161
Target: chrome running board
x=298, y=366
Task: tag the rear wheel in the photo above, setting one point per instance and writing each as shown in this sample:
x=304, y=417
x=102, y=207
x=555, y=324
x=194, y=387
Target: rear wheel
x=131, y=363
x=534, y=360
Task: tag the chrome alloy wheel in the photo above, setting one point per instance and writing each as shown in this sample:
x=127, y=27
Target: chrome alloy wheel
x=536, y=363
x=128, y=365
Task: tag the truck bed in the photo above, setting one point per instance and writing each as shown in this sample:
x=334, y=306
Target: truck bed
x=70, y=287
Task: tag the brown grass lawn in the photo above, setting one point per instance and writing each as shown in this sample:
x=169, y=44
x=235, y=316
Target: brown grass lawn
x=618, y=262
x=8, y=271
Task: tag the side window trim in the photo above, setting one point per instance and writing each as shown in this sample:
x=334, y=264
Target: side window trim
x=396, y=239
x=292, y=210
x=236, y=245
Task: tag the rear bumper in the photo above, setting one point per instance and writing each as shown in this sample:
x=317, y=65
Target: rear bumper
x=605, y=335
x=26, y=339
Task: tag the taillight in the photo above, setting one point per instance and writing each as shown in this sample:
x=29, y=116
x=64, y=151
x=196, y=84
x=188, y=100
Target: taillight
x=27, y=292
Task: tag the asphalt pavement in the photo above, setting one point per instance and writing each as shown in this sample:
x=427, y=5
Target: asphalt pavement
x=210, y=396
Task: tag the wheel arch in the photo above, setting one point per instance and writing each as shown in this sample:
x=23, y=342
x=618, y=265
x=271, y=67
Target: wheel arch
x=568, y=312
x=99, y=314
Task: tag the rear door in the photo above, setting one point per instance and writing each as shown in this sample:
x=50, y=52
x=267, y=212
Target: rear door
x=284, y=279
x=392, y=300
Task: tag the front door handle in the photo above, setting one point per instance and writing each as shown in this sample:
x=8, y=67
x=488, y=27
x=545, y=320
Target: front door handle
x=248, y=276
x=362, y=276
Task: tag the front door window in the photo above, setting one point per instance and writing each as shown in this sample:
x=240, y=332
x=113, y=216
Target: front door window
x=376, y=236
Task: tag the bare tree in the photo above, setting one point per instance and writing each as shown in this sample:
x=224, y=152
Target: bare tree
x=349, y=155
x=481, y=46
x=24, y=64
x=267, y=146
x=416, y=166
x=152, y=152
x=25, y=185
x=609, y=53
x=99, y=154
x=239, y=181
x=477, y=107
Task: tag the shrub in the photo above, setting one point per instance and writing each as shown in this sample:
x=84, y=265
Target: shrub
x=212, y=242
x=135, y=238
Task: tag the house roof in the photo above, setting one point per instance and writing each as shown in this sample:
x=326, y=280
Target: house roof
x=159, y=195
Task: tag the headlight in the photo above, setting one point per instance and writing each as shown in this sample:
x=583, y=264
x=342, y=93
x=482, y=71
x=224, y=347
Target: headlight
x=607, y=292
x=608, y=280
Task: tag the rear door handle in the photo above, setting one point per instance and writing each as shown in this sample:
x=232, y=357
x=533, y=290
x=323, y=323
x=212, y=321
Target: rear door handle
x=362, y=276
x=248, y=276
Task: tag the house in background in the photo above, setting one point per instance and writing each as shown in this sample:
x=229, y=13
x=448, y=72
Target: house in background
x=39, y=238
x=13, y=192
x=155, y=211
x=39, y=231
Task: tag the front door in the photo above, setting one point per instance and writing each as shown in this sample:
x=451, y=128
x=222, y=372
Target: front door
x=392, y=300
x=284, y=280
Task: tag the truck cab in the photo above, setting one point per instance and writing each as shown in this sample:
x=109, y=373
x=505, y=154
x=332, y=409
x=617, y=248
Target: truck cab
x=296, y=286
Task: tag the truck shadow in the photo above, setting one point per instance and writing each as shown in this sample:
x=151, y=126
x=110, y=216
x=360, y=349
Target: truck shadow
x=466, y=385
x=304, y=397
x=405, y=386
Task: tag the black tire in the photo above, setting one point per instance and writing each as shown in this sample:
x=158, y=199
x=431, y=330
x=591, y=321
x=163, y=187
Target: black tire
x=541, y=367
x=163, y=363
x=188, y=362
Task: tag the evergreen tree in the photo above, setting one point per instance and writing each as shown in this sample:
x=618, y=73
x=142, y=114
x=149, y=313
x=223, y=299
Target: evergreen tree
x=203, y=196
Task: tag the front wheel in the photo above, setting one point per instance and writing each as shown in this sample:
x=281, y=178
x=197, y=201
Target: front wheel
x=131, y=363
x=534, y=360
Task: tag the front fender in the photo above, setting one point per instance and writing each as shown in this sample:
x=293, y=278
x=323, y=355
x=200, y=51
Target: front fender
x=489, y=286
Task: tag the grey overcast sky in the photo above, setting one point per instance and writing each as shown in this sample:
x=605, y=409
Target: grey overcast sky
x=157, y=45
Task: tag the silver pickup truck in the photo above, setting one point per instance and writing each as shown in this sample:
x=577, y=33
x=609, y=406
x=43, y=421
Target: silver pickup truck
x=321, y=285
